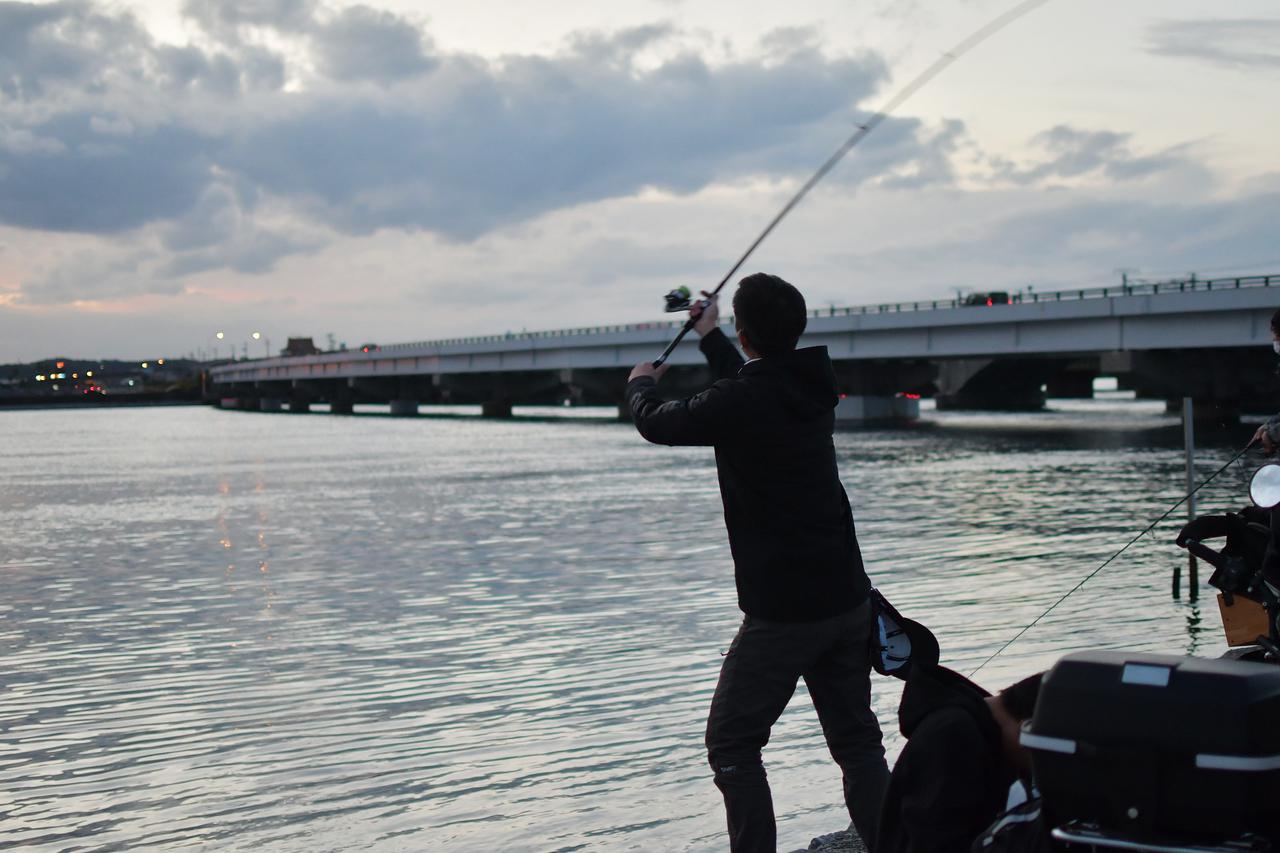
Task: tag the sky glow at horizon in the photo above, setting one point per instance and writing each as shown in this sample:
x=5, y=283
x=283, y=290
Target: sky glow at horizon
x=406, y=171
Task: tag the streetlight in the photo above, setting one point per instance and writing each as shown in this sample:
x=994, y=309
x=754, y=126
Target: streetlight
x=219, y=336
x=266, y=344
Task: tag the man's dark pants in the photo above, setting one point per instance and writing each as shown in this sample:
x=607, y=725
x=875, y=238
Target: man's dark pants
x=757, y=680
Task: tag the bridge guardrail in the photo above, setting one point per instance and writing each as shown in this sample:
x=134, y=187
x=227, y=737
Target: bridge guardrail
x=1136, y=288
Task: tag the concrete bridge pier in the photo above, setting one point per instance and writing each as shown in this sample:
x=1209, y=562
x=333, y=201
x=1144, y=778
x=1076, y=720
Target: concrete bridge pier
x=1207, y=413
x=341, y=395
x=301, y=393
x=270, y=404
x=866, y=409
x=1013, y=385
x=1072, y=385
x=404, y=408
x=1220, y=383
x=500, y=408
x=875, y=391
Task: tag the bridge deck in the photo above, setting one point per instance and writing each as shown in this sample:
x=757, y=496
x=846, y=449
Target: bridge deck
x=1178, y=314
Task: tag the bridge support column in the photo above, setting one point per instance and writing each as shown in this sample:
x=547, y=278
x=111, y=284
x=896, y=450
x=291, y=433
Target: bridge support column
x=1074, y=386
x=301, y=393
x=1208, y=413
x=270, y=404
x=496, y=408
x=1031, y=401
x=990, y=385
x=867, y=409
x=341, y=407
x=404, y=408
x=228, y=402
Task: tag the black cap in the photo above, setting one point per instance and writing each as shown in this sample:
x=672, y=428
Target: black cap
x=899, y=644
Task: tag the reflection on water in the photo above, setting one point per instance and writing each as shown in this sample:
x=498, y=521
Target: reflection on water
x=242, y=631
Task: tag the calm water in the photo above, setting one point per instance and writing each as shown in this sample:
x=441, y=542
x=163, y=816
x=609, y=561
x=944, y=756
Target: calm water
x=234, y=631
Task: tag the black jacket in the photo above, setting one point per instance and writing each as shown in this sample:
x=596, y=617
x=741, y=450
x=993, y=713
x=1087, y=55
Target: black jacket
x=950, y=781
x=795, y=551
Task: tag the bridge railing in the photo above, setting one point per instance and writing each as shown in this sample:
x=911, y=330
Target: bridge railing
x=1134, y=288
x=1130, y=288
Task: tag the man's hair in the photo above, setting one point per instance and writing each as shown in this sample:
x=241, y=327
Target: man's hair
x=1020, y=699
x=770, y=312
x=1275, y=323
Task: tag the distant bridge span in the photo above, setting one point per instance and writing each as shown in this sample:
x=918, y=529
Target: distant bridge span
x=1202, y=338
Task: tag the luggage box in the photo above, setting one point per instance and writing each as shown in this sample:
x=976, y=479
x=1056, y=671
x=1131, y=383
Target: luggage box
x=1157, y=745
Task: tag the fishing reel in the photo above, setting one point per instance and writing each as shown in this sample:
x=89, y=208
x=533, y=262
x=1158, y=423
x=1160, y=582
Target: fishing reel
x=680, y=299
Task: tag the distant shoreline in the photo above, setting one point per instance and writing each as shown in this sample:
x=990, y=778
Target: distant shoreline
x=16, y=404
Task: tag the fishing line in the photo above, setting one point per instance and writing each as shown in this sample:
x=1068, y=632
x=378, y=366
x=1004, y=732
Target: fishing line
x=1087, y=577
x=864, y=130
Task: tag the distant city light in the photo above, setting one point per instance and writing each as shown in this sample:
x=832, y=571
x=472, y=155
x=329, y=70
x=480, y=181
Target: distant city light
x=89, y=374
x=75, y=376
x=257, y=336
x=159, y=361
x=220, y=335
x=145, y=364
x=60, y=364
x=40, y=377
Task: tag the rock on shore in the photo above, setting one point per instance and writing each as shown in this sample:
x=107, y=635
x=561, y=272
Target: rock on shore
x=844, y=841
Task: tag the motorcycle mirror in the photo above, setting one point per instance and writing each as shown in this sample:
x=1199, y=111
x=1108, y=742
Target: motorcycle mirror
x=1264, y=488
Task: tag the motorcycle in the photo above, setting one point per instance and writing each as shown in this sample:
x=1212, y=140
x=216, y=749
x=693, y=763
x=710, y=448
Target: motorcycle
x=1139, y=751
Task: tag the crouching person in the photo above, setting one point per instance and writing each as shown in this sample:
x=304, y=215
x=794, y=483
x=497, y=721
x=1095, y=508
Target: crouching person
x=952, y=779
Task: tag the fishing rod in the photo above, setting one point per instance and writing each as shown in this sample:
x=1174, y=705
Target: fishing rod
x=864, y=130
x=1108, y=561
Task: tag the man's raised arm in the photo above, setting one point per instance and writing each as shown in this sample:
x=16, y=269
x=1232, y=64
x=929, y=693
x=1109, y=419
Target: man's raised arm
x=702, y=419
x=721, y=354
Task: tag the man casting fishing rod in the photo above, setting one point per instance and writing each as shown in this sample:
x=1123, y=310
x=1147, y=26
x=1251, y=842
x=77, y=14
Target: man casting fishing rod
x=798, y=570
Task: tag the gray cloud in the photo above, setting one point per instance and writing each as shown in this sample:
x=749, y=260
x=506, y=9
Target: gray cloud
x=1141, y=233
x=362, y=43
x=115, y=273
x=469, y=146
x=110, y=132
x=1073, y=153
x=79, y=178
x=59, y=44
x=250, y=251
x=476, y=146
x=1073, y=241
x=1235, y=43
x=617, y=48
x=933, y=164
x=227, y=19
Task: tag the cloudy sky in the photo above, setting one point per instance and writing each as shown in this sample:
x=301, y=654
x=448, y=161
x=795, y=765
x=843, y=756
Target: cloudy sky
x=407, y=170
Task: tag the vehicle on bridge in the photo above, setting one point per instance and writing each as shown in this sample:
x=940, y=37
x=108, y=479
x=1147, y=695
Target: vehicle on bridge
x=993, y=297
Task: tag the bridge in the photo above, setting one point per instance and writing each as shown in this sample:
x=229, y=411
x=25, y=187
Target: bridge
x=1203, y=338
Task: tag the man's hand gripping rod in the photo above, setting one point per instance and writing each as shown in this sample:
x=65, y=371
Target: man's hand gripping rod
x=976, y=38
